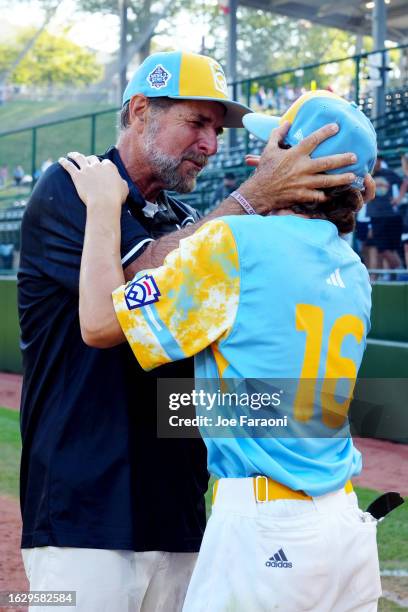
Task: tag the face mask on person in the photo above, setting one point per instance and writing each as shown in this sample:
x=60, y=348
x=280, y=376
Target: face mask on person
x=382, y=187
x=381, y=191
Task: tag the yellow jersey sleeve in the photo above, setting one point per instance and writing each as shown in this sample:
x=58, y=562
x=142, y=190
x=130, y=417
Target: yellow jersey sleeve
x=177, y=310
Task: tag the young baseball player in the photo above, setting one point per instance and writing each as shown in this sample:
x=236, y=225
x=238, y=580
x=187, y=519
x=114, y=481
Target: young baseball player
x=275, y=297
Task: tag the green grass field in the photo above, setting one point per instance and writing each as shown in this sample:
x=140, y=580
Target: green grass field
x=392, y=532
x=388, y=606
x=52, y=141
x=15, y=115
x=10, y=446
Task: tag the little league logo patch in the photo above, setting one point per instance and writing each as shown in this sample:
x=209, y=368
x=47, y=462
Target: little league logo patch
x=220, y=82
x=142, y=292
x=159, y=77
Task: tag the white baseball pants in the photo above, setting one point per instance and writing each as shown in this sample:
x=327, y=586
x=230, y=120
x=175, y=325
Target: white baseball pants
x=110, y=580
x=288, y=555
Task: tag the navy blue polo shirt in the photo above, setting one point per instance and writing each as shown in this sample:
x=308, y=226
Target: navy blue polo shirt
x=93, y=472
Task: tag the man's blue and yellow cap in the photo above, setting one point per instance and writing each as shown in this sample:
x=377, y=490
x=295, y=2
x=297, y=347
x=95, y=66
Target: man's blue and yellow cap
x=312, y=111
x=185, y=76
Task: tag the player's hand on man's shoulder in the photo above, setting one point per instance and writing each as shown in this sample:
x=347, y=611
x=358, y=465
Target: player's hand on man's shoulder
x=97, y=182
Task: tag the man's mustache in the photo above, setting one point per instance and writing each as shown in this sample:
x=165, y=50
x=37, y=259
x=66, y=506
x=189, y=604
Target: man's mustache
x=197, y=158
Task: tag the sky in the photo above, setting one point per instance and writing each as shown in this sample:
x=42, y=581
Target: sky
x=100, y=32
x=97, y=31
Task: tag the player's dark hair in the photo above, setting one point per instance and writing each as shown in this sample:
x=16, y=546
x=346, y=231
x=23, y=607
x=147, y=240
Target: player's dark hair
x=340, y=209
x=156, y=105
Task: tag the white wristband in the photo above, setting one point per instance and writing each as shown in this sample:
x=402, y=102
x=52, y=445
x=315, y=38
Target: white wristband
x=244, y=203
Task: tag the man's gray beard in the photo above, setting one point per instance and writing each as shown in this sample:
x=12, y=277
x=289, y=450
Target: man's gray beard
x=167, y=167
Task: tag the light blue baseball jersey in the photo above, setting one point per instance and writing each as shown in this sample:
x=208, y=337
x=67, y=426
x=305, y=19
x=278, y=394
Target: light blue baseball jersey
x=277, y=297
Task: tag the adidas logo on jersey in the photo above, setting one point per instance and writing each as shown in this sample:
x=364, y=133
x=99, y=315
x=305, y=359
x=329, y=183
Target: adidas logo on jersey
x=279, y=559
x=335, y=279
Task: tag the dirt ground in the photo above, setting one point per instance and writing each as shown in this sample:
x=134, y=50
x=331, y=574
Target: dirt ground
x=10, y=390
x=12, y=576
x=385, y=468
x=395, y=589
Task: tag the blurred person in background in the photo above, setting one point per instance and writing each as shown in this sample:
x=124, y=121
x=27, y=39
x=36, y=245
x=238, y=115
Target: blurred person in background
x=18, y=175
x=260, y=96
x=3, y=175
x=386, y=221
x=364, y=238
x=229, y=184
x=402, y=202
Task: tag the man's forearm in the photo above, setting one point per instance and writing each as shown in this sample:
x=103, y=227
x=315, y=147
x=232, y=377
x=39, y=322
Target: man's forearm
x=256, y=192
x=101, y=273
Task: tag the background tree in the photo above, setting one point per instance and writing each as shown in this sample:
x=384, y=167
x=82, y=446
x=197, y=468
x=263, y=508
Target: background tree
x=52, y=60
x=140, y=16
x=266, y=42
